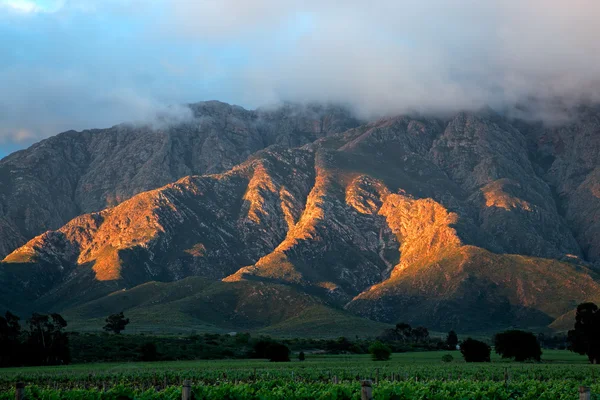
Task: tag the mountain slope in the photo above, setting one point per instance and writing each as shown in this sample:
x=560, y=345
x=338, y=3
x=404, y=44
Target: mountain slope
x=475, y=290
x=465, y=223
x=198, y=304
x=448, y=223
x=45, y=186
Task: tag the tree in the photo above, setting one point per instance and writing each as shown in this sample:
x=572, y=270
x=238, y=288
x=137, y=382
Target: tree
x=278, y=352
x=420, y=334
x=475, y=351
x=452, y=340
x=10, y=336
x=301, y=356
x=585, y=337
x=380, y=351
x=47, y=343
x=519, y=345
x=404, y=332
x=260, y=346
x=341, y=345
x=447, y=358
x=116, y=323
x=400, y=333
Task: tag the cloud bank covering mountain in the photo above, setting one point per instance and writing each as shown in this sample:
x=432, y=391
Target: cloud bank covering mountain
x=88, y=63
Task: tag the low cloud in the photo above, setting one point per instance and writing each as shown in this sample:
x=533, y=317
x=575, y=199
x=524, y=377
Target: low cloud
x=86, y=63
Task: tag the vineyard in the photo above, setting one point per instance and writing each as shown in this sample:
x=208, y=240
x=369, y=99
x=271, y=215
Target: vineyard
x=406, y=376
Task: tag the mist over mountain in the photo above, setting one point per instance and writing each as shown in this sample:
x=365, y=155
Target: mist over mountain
x=115, y=61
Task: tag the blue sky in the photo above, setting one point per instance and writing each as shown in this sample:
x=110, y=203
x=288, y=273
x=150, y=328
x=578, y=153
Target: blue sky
x=77, y=64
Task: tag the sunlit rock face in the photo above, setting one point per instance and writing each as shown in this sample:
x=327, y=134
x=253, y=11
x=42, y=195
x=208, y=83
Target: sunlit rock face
x=47, y=185
x=472, y=221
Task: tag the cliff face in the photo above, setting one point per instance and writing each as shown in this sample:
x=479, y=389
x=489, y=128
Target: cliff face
x=569, y=159
x=472, y=222
x=47, y=185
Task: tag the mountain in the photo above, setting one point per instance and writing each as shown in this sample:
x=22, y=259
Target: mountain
x=473, y=222
x=73, y=173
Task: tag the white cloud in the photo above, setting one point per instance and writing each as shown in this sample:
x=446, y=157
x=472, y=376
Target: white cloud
x=23, y=6
x=33, y=6
x=93, y=63
x=393, y=56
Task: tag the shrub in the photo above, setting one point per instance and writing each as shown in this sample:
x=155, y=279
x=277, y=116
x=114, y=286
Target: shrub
x=447, y=358
x=301, y=356
x=380, y=352
x=475, y=351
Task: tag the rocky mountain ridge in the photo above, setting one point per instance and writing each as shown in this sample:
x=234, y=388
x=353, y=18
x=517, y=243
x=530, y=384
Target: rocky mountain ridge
x=57, y=179
x=462, y=223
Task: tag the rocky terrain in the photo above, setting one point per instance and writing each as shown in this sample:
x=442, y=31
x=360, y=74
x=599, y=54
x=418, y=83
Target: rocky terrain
x=73, y=173
x=472, y=222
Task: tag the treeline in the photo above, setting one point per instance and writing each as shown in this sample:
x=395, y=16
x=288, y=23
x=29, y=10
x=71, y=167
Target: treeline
x=42, y=342
x=518, y=345
x=103, y=347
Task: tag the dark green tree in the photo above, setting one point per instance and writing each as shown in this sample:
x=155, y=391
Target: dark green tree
x=518, y=345
x=47, y=343
x=584, y=338
x=420, y=334
x=452, y=340
x=278, y=352
x=260, y=346
x=10, y=339
x=301, y=356
x=380, y=351
x=341, y=345
x=116, y=323
x=404, y=332
x=400, y=333
x=475, y=351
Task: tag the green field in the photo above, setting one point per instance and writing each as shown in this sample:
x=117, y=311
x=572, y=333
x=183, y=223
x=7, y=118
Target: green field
x=406, y=376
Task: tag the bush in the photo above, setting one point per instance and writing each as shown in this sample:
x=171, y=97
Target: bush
x=260, y=347
x=447, y=358
x=301, y=356
x=278, y=352
x=380, y=351
x=519, y=345
x=475, y=351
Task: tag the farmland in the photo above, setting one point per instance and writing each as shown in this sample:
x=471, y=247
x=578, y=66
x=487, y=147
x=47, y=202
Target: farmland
x=405, y=376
